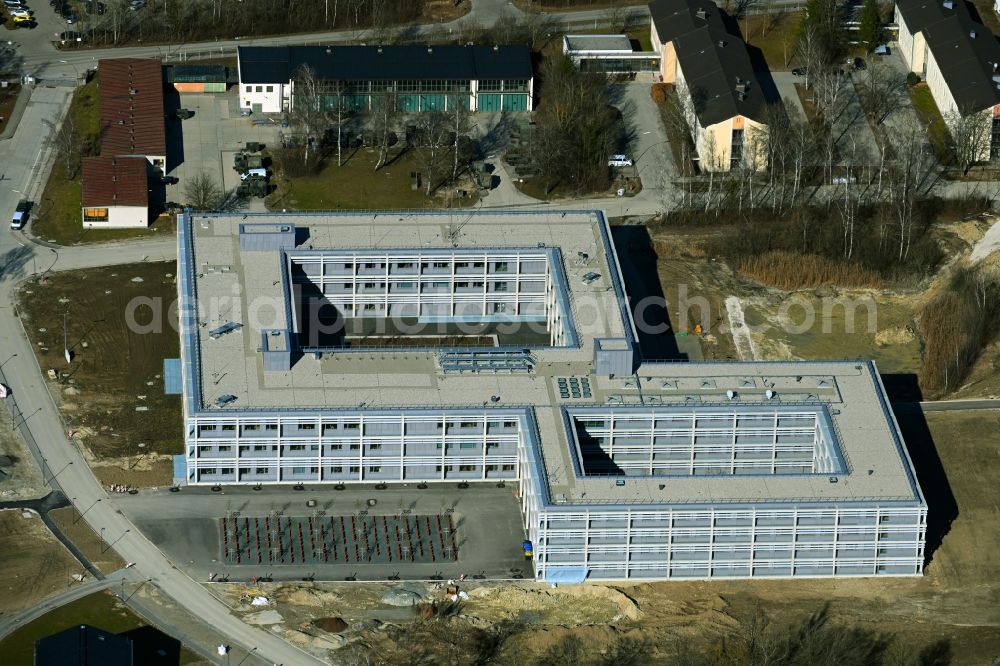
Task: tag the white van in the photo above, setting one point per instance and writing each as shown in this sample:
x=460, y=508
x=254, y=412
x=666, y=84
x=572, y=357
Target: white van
x=260, y=173
x=619, y=161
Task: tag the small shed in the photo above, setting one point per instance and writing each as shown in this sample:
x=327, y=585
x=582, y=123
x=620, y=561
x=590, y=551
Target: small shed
x=198, y=78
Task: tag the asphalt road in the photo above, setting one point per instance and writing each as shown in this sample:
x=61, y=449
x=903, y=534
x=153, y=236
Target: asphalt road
x=72, y=474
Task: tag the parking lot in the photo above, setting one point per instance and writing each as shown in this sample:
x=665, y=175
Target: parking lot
x=210, y=139
x=361, y=532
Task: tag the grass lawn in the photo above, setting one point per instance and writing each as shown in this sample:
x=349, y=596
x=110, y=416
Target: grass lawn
x=57, y=216
x=930, y=117
x=774, y=35
x=112, y=393
x=356, y=185
x=101, y=610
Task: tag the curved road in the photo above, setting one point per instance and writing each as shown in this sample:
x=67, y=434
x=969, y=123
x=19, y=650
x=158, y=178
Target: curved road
x=76, y=480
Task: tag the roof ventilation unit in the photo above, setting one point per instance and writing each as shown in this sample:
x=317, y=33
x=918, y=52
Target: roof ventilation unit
x=701, y=13
x=948, y=4
x=731, y=394
x=769, y=394
x=972, y=33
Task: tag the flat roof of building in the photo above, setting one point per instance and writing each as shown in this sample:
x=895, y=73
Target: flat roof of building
x=279, y=64
x=131, y=100
x=846, y=396
x=115, y=181
x=604, y=43
x=878, y=468
x=225, y=274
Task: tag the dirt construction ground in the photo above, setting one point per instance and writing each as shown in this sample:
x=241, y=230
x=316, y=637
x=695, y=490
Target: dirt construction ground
x=35, y=565
x=954, y=607
x=112, y=394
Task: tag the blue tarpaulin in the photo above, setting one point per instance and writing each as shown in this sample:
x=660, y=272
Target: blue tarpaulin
x=566, y=575
x=172, y=376
x=180, y=470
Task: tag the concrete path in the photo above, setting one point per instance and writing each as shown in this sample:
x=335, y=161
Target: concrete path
x=785, y=82
x=11, y=623
x=76, y=480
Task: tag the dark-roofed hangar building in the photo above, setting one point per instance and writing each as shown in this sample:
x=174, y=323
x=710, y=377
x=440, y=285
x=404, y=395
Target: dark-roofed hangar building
x=419, y=78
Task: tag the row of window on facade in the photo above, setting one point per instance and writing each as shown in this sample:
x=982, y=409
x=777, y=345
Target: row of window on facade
x=452, y=446
x=428, y=85
x=301, y=265
x=536, y=286
x=339, y=469
x=355, y=428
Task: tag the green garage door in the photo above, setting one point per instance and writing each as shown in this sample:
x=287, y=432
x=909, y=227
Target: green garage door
x=489, y=102
x=431, y=102
x=409, y=103
x=516, y=102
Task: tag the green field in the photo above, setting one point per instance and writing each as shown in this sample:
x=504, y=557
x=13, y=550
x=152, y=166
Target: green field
x=101, y=610
x=357, y=185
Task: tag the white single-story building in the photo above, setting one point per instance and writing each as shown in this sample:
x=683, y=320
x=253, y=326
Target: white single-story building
x=115, y=192
x=415, y=78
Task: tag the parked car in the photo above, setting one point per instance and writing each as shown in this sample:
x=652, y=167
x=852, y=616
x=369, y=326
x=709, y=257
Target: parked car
x=91, y=7
x=799, y=71
x=14, y=4
x=619, y=161
x=28, y=23
x=70, y=36
x=169, y=180
x=254, y=173
x=857, y=63
x=20, y=217
x=70, y=17
x=22, y=13
x=136, y=4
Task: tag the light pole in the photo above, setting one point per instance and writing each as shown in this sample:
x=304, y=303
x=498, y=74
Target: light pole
x=111, y=545
x=81, y=515
x=66, y=339
x=75, y=70
x=53, y=477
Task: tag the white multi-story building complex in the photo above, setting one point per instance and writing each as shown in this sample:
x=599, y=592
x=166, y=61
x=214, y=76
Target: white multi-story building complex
x=433, y=347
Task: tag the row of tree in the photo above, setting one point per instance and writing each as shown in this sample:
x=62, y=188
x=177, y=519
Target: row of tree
x=324, y=114
x=178, y=21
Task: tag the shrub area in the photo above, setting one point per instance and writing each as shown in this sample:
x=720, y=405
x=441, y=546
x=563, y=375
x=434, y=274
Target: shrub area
x=956, y=326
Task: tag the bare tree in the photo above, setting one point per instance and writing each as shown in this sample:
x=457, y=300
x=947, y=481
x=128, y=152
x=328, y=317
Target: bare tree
x=384, y=119
x=615, y=16
x=309, y=109
x=971, y=134
x=909, y=178
x=203, y=192
x=339, y=113
x=811, y=52
x=65, y=142
x=881, y=90
x=458, y=124
x=849, y=202
x=432, y=145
